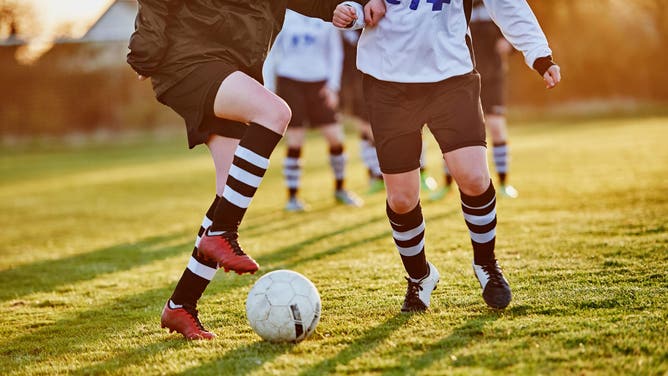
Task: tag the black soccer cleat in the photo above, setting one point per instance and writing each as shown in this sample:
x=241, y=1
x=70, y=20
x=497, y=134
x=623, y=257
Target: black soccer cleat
x=495, y=288
x=418, y=294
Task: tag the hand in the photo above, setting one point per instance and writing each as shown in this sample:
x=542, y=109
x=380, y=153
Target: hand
x=552, y=76
x=141, y=78
x=331, y=97
x=374, y=11
x=344, y=16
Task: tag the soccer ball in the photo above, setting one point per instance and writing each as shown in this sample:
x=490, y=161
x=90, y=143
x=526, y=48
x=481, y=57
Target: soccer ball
x=283, y=306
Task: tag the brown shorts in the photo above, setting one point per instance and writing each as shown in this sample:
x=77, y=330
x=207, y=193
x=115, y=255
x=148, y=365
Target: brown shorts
x=398, y=111
x=193, y=99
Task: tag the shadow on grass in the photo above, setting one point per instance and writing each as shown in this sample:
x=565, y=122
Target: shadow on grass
x=47, y=275
x=461, y=336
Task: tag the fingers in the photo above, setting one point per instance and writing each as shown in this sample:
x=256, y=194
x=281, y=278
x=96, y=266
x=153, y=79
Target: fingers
x=552, y=77
x=374, y=12
x=344, y=16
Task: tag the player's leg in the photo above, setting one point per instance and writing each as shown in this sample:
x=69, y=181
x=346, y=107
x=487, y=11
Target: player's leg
x=496, y=125
x=292, y=167
x=180, y=312
x=397, y=120
x=243, y=99
x=333, y=134
x=370, y=157
x=462, y=141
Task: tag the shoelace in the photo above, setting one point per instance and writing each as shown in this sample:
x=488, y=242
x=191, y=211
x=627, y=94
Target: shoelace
x=494, y=273
x=232, y=240
x=413, y=292
x=194, y=315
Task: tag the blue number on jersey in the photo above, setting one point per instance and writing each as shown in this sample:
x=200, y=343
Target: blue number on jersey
x=436, y=4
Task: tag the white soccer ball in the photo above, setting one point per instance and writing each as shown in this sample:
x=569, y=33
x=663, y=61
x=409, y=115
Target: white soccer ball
x=283, y=306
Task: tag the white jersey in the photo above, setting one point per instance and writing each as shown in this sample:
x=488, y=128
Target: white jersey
x=480, y=14
x=308, y=50
x=426, y=40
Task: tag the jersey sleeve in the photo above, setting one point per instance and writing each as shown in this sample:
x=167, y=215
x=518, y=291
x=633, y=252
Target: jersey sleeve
x=520, y=27
x=149, y=42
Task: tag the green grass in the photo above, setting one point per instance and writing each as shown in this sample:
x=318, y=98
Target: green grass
x=94, y=239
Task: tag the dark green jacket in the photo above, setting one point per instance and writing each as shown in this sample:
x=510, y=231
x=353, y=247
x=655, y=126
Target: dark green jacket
x=173, y=36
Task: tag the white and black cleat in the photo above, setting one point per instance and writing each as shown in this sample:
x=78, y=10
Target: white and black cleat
x=418, y=293
x=495, y=288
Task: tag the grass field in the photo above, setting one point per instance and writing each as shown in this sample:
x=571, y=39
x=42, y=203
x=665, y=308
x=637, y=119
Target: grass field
x=94, y=239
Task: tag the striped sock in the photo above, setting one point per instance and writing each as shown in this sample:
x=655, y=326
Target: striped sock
x=292, y=170
x=251, y=160
x=408, y=233
x=370, y=157
x=337, y=160
x=199, y=272
x=501, y=154
x=480, y=217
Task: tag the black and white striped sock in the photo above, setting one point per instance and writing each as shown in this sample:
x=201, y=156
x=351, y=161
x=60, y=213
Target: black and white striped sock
x=408, y=233
x=292, y=170
x=337, y=160
x=501, y=153
x=480, y=216
x=251, y=160
x=199, y=273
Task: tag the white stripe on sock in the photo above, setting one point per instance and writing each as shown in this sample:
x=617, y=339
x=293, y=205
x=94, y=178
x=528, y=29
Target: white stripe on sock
x=480, y=207
x=245, y=176
x=236, y=198
x=411, y=251
x=201, y=270
x=252, y=157
x=410, y=234
x=483, y=238
x=480, y=220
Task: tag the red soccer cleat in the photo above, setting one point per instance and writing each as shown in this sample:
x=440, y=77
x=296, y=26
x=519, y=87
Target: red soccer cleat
x=226, y=251
x=184, y=320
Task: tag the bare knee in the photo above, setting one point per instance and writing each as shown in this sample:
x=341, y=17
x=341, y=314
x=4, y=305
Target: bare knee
x=274, y=116
x=474, y=183
x=402, y=202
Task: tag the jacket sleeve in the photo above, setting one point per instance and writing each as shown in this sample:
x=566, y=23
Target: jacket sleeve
x=323, y=9
x=520, y=27
x=149, y=42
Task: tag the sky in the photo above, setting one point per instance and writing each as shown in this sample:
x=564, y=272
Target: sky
x=52, y=15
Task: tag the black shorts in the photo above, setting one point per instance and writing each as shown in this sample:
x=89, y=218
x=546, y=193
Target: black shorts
x=398, y=111
x=352, y=93
x=193, y=99
x=306, y=102
x=490, y=65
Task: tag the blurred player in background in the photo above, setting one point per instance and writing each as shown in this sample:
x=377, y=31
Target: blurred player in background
x=352, y=98
x=491, y=51
x=304, y=68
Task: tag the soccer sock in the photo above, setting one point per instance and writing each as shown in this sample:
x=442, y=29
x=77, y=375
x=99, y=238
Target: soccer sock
x=250, y=163
x=337, y=159
x=292, y=170
x=480, y=217
x=501, y=153
x=199, y=272
x=408, y=234
x=370, y=157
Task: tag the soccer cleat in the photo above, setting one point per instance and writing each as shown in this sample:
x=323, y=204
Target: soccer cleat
x=418, y=293
x=225, y=250
x=348, y=198
x=184, y=320
x=427, y=183
x=295, y=205
x=508, y=191
x=495, y=288
x=375, y=185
